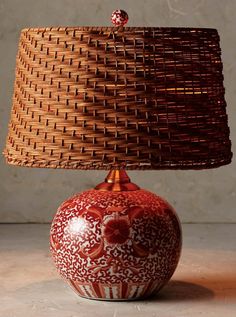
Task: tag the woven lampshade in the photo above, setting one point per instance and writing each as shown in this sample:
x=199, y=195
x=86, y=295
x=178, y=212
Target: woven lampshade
x=105, y=97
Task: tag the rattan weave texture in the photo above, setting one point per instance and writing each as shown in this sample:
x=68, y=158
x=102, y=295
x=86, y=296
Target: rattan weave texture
x=105, y=97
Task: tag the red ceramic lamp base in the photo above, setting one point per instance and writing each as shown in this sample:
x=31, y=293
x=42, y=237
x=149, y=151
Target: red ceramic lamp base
x=116, y=244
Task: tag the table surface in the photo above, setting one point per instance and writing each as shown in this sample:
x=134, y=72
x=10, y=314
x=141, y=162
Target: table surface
x=204, y=283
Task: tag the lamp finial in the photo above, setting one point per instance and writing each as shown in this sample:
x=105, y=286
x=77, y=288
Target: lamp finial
x=119, y=17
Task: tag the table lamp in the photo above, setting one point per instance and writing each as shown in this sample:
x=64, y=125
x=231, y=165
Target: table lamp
x=118, y=98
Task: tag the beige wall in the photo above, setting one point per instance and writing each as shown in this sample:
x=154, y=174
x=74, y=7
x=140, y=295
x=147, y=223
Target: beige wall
x=32, y=195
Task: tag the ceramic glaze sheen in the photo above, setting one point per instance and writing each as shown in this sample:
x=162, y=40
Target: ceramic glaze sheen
x=116, y=245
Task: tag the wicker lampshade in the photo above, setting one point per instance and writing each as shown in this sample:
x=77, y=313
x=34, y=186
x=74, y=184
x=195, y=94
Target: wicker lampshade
x=133, y=97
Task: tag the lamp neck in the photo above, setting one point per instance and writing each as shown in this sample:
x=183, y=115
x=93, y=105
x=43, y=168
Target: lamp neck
x=117, y=181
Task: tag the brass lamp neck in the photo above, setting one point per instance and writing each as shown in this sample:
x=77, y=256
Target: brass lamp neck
x=118, y=181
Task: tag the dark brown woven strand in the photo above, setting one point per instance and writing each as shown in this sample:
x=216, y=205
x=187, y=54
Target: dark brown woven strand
x=100, y=97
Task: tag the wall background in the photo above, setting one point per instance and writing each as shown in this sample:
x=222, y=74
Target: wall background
x=32, y=195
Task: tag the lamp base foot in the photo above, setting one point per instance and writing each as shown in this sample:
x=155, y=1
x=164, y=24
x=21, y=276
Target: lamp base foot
x=117, y=292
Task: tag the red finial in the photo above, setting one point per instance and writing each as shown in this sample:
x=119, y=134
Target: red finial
x=119, y=17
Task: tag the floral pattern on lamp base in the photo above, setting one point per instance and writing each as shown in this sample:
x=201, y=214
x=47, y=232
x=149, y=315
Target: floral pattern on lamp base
x=116, y=245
